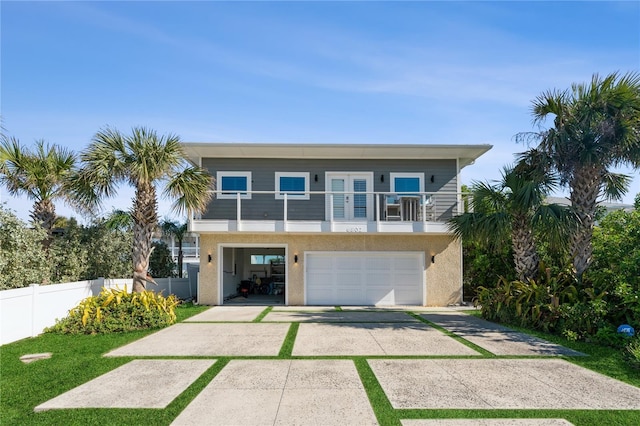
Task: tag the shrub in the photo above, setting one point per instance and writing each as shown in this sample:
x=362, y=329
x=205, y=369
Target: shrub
x=633, y=352
x=116, y=310
x=534, y=303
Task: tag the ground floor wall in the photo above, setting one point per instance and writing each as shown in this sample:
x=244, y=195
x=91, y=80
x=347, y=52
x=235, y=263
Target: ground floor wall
x=443, y=276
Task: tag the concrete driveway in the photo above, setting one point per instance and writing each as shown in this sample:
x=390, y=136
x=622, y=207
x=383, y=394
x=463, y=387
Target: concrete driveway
x=305, y=367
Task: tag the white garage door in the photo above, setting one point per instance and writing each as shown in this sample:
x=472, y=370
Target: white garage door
x=364, y=278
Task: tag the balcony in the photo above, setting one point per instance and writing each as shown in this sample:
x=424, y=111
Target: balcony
x=344, y=212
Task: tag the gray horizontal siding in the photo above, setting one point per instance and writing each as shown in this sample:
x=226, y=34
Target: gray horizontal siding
x=266, y=207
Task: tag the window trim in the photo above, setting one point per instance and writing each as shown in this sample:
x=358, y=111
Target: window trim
x=292, y=196
x=221, y=174
x=393, y=176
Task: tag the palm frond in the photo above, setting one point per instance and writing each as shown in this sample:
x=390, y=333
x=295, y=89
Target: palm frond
x=191, y=188
x=615, y=185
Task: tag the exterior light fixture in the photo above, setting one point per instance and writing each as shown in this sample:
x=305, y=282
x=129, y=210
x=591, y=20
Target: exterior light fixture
x=209, y=258
x=315, y=178
x=433, y=258
x=381, y=178
x=295, y=258
x=432, y=178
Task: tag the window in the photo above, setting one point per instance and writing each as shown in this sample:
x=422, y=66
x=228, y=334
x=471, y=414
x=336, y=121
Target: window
x=265, y=259
x=232, y=183
x=294, y=184
x=407, y=183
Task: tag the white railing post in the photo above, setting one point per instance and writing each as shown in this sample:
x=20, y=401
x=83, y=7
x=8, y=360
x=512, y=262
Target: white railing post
x=424, y=207
x=238, y=210
x=285, y=211
x=377, y=203
x=331, y=210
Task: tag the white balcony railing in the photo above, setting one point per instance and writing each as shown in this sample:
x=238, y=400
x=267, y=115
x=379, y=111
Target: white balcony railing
x=343, y=212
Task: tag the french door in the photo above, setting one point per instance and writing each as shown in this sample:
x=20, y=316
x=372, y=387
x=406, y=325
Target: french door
x=352, y=200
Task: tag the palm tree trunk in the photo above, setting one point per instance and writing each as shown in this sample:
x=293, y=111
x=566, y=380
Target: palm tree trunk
x=44, y=214
x=525, y=255
x=145, y=219
x=585, y=187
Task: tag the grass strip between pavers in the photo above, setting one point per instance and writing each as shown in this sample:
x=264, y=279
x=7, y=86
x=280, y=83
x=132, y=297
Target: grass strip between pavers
x=454, y=336
x=576, y=417
x=263, y=314
x=289, y=341
x=382, y=408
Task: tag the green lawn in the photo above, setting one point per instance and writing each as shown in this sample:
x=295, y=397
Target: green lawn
x=78, y=359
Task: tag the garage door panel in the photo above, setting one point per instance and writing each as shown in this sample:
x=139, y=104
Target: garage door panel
x=378, y=264
x=364, y=278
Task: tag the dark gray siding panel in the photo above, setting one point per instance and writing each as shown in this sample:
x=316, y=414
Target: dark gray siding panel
x=266, y=207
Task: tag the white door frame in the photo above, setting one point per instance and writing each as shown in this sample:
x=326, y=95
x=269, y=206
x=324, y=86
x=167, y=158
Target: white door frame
x=252, y=245
x=349, y=176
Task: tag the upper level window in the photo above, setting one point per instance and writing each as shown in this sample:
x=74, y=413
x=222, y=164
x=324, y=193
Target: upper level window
x=232, y=183
x=408, y=183
x=294, y=184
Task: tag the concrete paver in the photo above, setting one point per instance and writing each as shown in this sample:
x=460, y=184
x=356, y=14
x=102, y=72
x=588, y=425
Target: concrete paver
x=327, y=392
x=486, y=422
x=304, y=308
x=496, y=338
x=228, y=314
x=209, y=339
x=339, y=316
x=149, y=383
x=500, y=384
x=352, y=339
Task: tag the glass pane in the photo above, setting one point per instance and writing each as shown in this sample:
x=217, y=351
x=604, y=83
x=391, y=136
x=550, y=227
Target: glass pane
x=337, y=185
x=407, y=184
x=359, y=200
x=257, y=259
x=233, y=184
x=273, y=258
x=291, y=184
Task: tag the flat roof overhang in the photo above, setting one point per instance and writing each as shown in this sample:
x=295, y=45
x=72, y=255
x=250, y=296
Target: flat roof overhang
x=466, y=154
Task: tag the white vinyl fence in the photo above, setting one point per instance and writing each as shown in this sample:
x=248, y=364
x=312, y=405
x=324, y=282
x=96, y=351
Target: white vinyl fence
x=26, y=312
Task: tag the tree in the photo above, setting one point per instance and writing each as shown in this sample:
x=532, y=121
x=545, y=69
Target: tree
x=161, y=262
x=145, y=161
x=67, y=254
x=596, y=128
x=22, y=260
x=616, y=263
x=41, y=175
x=109, y=251
x=508, y=211
x=178, y=232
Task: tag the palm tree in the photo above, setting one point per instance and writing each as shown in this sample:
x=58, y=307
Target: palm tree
x=596, y=128
x=508, y=211
x=145, y=161
x=41, y=175
x=177, y=231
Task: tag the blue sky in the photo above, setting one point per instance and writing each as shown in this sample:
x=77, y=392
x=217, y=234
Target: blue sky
x=315, y=72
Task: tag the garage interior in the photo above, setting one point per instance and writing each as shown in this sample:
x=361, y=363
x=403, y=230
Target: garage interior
x=253, y=275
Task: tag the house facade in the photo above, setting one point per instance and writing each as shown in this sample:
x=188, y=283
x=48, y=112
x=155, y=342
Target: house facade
x=319, y=224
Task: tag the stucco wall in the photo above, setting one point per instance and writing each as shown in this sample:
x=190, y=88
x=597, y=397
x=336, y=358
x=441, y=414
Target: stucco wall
x=443, y=278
